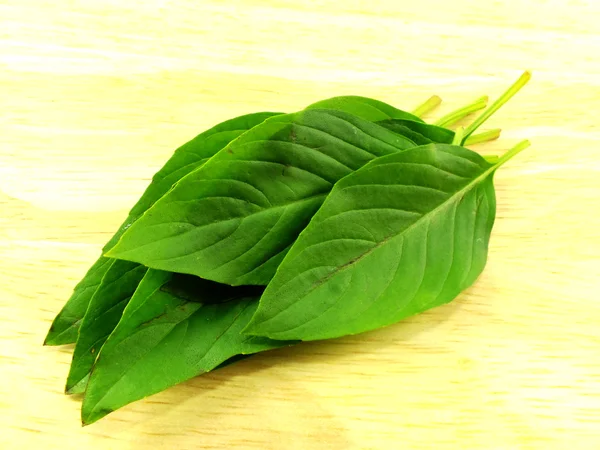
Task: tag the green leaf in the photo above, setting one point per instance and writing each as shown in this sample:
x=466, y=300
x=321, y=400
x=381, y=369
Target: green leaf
x=163, y=340
x=433, y=133
x=233, y=219
x=365, y=108
x=404, y=130
x=65, y=326
x=186, y=158
x=405, y=233
x=103, y=313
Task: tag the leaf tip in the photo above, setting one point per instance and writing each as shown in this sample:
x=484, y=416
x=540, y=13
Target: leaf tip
x=111, y=253
x=94, y=415
x=53, y=339
x=76, y=387
x=72, y=389
x=51, y=335
x=85, y=421
x=261, y=329
x=248, y=330
x=115, y=251
x=254, y=328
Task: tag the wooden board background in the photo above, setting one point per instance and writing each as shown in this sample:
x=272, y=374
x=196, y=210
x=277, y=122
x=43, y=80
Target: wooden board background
x=95, y=95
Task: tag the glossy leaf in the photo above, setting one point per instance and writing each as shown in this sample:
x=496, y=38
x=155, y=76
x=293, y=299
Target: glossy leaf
x=405, y=233
x=121, y=280
x=365, y=108
x=433, y=133
x=163, y=340
x=404, y=130
x=233, y=219
x=423, y=133
x=103, y=313
x=186, y=158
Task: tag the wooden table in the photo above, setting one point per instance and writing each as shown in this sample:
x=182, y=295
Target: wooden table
x=95, y=95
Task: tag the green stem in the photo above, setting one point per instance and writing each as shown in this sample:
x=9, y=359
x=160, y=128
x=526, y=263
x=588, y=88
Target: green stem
x=513, y=151
x=516, y=87
x=458, y=135
x=484, y=136
x=454, y=116
x=429, y=105
x=492, y=159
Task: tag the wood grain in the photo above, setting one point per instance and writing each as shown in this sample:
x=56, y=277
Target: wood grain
x=95, y=95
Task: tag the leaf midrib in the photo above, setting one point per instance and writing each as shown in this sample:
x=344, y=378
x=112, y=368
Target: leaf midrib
x=197, y=227
x=426, y=216
x=167, y=335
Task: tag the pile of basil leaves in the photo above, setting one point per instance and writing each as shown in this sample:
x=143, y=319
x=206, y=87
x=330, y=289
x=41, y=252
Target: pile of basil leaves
x=270, y=229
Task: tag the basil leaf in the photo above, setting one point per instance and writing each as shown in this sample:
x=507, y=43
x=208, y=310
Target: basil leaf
x=414, y=136
x=186, y=158
x=163, y=340
x=405, y=233
x=65, y=326
x=433, y=133
x=365, y=108
x=233, y=219
x=103, y=313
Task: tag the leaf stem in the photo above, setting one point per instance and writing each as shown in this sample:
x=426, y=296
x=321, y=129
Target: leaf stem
x=454, y=116
x=484, y=136
x=458, y=135
x=492, y=159
x=510, y=92
x=513, y=151
x=429, y=105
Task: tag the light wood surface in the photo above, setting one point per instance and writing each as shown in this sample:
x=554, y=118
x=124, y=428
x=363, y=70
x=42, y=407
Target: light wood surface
x=95, y=95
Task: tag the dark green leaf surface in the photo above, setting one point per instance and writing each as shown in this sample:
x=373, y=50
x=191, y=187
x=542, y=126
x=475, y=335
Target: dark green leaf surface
x=187, y=287
x=163, y=340
x=186, y=158
x=103, y=313
x=365, y=108
x=433, y=133
x=233, y=219
x=405, y=233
